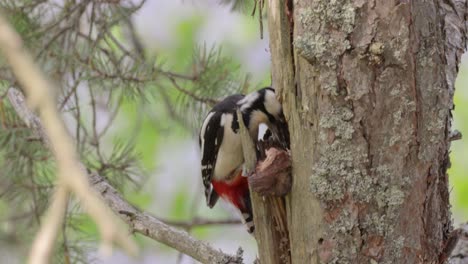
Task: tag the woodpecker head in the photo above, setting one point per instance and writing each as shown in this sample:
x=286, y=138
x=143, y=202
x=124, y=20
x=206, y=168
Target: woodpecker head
x=263, y=107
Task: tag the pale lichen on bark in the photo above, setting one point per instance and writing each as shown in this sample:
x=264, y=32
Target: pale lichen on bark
x=324, y=37
x=326, y=25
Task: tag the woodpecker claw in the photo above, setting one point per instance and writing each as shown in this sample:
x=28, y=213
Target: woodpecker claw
x=246, y=173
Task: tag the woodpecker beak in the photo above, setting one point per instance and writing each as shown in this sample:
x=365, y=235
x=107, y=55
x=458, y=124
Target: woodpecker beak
x=281, y=132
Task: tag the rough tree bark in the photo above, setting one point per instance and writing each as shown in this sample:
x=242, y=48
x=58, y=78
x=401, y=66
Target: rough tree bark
x=367, y=88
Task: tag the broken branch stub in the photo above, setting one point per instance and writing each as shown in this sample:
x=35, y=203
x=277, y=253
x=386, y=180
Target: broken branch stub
x=273, y=174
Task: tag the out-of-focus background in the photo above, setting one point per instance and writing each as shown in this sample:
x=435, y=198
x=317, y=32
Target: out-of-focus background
x=458, y=173
x=167, y=155
x=172, y=29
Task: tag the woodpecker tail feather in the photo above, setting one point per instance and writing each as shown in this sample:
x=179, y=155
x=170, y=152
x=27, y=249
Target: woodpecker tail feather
x=247, y=215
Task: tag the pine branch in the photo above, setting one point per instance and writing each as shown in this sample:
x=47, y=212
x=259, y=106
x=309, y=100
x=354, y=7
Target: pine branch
x=197, y=222
x=71, y=177
x=140, y=222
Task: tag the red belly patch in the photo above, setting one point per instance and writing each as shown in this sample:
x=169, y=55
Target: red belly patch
x=233, y=191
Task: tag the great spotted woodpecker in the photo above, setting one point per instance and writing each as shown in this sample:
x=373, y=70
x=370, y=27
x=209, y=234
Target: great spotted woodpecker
x=221, y=148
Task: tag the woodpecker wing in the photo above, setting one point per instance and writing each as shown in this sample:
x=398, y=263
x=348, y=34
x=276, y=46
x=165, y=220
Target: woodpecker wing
x=211, y=138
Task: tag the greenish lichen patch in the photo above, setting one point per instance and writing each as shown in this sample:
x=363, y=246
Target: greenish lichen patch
x=341, y=174
x=320, y=47
x=405, y=110
x=326, y=26
x=377, y=224
x=395, y=196
x=389, y=192
x=396, y=248
x=376, y=48
x=338, y=14
x=328, y=80
x=339, y=120
x=336, y=170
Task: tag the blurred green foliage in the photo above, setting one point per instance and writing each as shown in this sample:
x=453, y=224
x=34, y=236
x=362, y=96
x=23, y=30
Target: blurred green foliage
x=185, y=40
x=458, y=173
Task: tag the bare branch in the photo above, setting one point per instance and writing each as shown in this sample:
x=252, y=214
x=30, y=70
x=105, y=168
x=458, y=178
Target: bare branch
x=152, y=227
x=196, y=222
x=208, y=101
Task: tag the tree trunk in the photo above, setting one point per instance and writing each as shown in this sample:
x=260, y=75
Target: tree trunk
x=367, y=88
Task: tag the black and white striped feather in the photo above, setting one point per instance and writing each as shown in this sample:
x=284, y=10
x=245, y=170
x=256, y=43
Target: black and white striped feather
x=211, y=138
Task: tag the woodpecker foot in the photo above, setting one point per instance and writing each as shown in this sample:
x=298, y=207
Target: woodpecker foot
x=273, y=174
x=245, y=172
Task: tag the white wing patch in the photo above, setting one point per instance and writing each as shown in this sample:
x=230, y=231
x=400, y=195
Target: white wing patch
x=248, y=100
x=203, y=130
x=223, y=119
x=262, y=129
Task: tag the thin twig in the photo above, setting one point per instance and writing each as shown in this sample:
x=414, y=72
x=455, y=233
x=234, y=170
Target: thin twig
x=205, y=100
x=112, y=117
x=260, y=16
x=198, y=222
x=44, y=241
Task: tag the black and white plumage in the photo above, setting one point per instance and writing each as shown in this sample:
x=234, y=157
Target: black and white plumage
x=220, y=120
x=221, y=147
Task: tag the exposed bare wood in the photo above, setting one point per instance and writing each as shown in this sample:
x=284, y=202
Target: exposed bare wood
x=273, y=174
x=270, y=230
x=303, y=208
